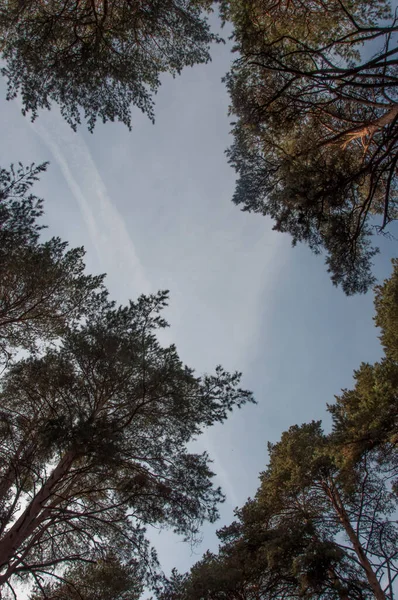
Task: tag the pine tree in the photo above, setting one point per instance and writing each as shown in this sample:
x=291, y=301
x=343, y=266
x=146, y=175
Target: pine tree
x=315, y=142
x=96, y=59
x=107, y=579
x=43, y=286
x=322, y=524
x=95, y=427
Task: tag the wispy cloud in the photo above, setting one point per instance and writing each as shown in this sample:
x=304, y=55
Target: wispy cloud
x=108, y=233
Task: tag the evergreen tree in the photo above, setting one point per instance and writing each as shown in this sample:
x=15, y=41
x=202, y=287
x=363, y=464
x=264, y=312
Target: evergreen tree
x=314, y=530
x=94, y=429
x=94, y=443
x=315, y=143
x=43, y=287
x=323, y=522
x=96, y=59
x=108, y=579
x=367, y=415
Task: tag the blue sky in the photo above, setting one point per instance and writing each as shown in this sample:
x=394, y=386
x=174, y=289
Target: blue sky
x=152, y=208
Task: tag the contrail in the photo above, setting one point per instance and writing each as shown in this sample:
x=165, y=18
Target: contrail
x=107, y=230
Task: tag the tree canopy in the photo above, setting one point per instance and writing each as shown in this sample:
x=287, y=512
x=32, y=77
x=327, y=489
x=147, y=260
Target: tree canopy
x=93, y=443
x=97, y=58
x=108, y=579
x=315, y=142
x=43, y=286
x=313, y=530
x=367, y=415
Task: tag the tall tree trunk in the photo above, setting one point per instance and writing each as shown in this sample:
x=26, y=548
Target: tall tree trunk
x=335, y=498
x=29, y=519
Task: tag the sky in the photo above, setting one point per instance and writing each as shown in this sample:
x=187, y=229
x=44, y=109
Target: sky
x=153, y=209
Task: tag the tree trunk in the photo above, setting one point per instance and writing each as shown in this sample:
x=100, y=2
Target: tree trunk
x=334, y=496
x=28, y=521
